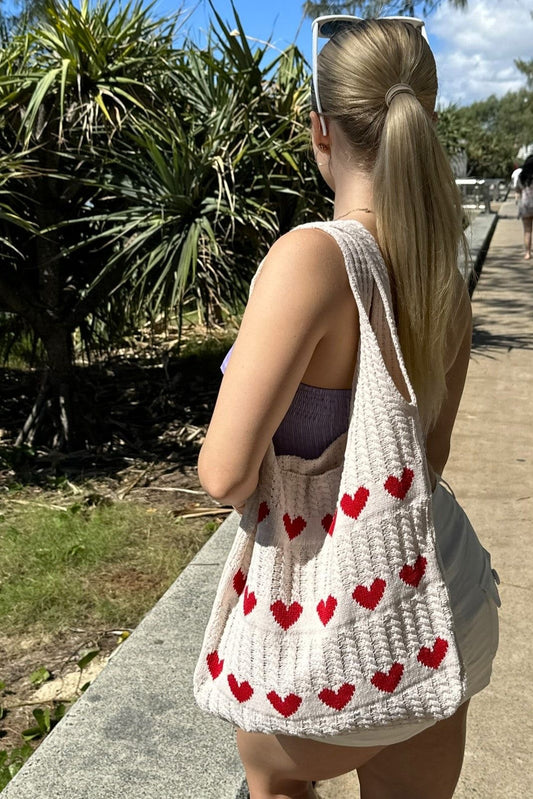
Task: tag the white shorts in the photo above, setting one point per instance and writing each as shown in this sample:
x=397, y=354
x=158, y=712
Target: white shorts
x=474, y=602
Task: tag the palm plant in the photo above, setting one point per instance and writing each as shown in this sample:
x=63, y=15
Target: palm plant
x=67, y=86
x=224, y=170
x=160, y=175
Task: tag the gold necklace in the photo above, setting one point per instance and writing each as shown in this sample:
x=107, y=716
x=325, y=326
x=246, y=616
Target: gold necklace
x=353, y=210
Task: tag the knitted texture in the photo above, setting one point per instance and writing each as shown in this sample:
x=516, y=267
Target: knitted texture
x=332, y=614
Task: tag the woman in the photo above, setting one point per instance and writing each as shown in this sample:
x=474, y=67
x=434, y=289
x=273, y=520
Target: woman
x=292, y=367
x=524, y=190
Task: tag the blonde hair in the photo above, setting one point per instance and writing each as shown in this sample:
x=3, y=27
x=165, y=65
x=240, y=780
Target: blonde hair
x=416, y=201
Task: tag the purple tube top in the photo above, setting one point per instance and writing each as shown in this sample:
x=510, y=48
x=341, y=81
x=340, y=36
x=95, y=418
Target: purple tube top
x=315, y=418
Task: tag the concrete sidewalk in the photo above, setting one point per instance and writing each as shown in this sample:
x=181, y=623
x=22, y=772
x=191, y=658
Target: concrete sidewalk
x=491, y=472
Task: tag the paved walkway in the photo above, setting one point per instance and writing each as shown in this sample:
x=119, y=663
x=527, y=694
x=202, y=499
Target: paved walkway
x=491, y=471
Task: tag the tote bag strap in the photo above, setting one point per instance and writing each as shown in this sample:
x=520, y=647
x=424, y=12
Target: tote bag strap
x=367, y=272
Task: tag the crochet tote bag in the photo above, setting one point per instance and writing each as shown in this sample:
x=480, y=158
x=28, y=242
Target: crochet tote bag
x=332, y=614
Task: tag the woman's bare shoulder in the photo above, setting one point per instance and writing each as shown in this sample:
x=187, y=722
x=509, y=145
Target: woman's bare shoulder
x=307, y=259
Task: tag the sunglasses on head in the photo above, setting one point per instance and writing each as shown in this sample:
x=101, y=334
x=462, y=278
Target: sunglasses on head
x=327, y=26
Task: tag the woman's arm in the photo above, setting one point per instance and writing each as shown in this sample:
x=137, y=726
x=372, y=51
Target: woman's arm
x=290, y=310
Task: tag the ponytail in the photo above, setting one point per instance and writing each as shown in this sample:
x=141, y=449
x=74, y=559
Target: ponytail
x=416, y=201
x=419, y=225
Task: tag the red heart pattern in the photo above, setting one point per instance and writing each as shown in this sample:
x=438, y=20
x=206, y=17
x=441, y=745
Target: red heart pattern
x=263, y=512
x=241, y=691
x=249, y=602
x=286, y=706
x=339, y=698
x=326, y=609
x=327, y=521
x=388, y=680
x=399, y=487
x=239, y=581
x=214, y=664
x=370, y=597
x=413, y=574
x=286, y=616
x=352, y=505
x=332, y=525
x=293, y=526
x=432, y=658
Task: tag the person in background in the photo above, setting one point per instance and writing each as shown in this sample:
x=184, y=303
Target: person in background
x=524, y=190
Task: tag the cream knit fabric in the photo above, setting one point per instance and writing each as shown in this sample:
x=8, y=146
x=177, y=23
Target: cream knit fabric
x=332, y=614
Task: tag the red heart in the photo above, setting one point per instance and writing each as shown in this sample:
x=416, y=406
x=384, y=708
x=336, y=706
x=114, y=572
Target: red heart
x=328, y=522
x=388, y=680
x=326, y=609
x=249, y=602
x=432, y=658
x=239, y=581
x=293, y=526
x=413, y=574
x=241, y=691
x=286, y=706
x=353, y=505
x=370, y=597
x=399, y=488
x=263, y=512
x=214, y=664
x=337, y=699
x=286, y=616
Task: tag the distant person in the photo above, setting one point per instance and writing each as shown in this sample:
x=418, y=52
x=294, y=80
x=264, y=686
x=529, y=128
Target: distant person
x=524, y=188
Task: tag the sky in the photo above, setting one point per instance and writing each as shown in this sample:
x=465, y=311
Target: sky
x=475, y=49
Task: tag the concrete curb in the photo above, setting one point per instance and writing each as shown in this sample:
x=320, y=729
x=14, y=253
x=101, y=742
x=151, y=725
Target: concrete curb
x=479, y=234
x=137, y=733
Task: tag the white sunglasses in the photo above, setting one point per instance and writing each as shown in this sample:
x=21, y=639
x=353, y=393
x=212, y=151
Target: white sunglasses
x=327, y=26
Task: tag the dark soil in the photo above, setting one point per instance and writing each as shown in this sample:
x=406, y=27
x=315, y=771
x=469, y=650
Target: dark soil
x=129, y=409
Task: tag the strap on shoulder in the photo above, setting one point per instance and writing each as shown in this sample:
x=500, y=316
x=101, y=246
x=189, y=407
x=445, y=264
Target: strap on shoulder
x=367, y=272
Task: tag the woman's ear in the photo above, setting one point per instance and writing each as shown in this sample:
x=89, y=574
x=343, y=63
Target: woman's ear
x=322, y=148
x=320, y=140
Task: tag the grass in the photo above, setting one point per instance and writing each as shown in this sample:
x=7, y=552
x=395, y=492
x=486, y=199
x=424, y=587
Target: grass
x=206, y=346
x=107, y=565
